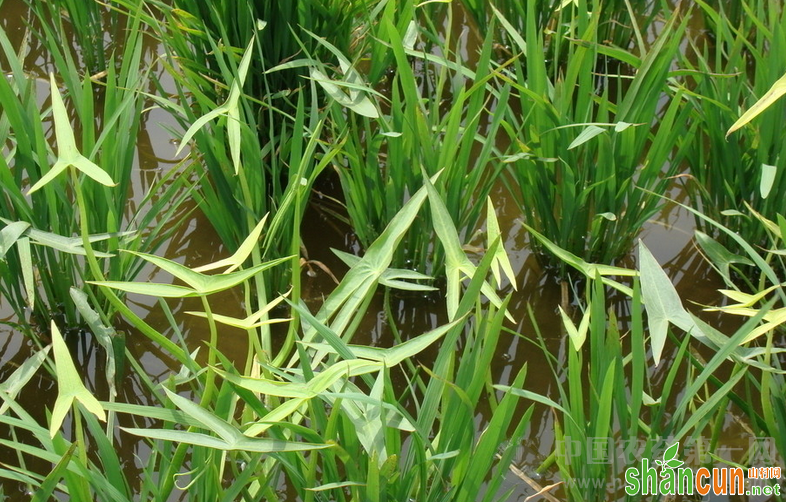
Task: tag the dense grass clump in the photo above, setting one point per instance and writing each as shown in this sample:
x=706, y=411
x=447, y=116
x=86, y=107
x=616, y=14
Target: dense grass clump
x=591, y=139
x=439, y=114
x=63, y=190
x=733, y=66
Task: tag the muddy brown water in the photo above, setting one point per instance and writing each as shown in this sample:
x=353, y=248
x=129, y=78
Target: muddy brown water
x=668, y=236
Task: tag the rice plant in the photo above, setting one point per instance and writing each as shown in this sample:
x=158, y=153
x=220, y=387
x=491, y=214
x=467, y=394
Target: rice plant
x=234, y=23
x=625, y=23
x=732, y=68
x=42, y=183
x=438, y=114
x=753, y=274
x=587, y=139
x=255, y=125
x=91, y=29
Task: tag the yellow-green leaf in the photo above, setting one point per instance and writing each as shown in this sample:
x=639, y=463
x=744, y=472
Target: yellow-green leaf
x=70, y=388
x=67, y=152
x=777, y=90
x=500, y=257
x=243, y=252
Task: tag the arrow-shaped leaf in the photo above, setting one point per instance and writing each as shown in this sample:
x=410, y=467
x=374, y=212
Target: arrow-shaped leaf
x=68, y=153
x=243, y=252
x=500, y=257
x=230, y=108
x=456, y=262
x=391, y=277
x=70, y=388
x=200, y=284
x=661, y=301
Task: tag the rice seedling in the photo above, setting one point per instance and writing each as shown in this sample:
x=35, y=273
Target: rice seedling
x=625, y=23
x=438, y=115
x=234, y=23
x=747, y=172
x=586, y=139
x=90, y=28
x=255, y=131
x=731, y=68
x=41, y=183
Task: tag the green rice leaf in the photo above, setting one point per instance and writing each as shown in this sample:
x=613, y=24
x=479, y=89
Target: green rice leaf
x=331, y=486
x=103, y=334
x=258, y=445
x=410, y=36
x=512, y=32
x=607, y=216
x=48, y=485
x=71, y=245
x=359, y=103
x=621, y=126
x=532, y=396
x=26, y=260
x=647, y=400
